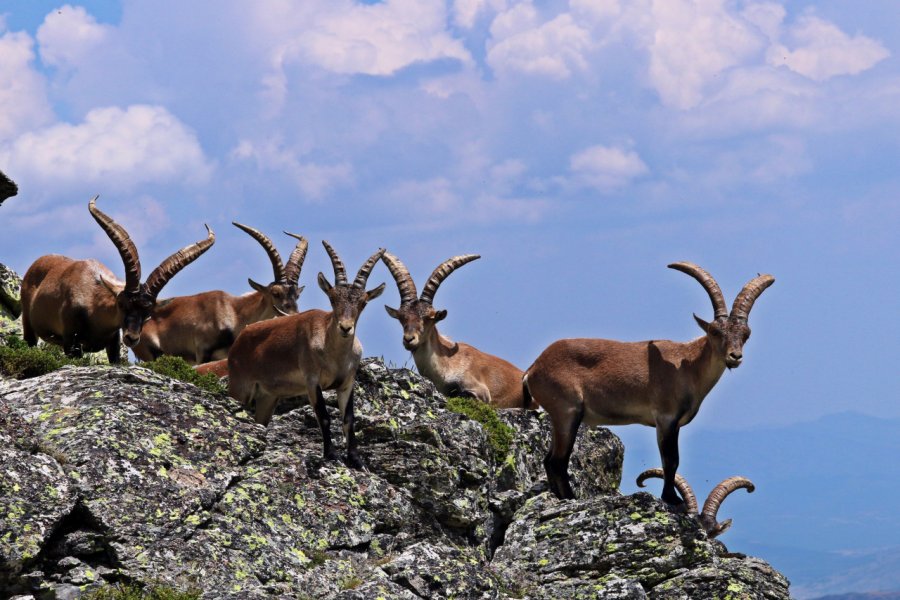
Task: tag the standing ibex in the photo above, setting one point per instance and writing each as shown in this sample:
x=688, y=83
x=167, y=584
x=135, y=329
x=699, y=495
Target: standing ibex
x=656, y=383
x=709, y=516
x=202, y=327
x=8, y=187
x=454, y=368
x=306, y=353
x=80, y=305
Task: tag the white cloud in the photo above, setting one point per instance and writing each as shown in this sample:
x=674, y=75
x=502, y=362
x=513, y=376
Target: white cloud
x=465, y=12
x=822, y=51
x=23, y=91
x=313, y=180
x=552, y=49
x=112, y=147
x=606, y=167
x=69, y=35
x=694, y=42
x=597, y=10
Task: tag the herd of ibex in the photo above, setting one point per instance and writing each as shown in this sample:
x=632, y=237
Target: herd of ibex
x=269, y=350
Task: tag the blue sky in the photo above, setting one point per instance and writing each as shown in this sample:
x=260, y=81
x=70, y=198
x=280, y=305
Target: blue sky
x=578, y=146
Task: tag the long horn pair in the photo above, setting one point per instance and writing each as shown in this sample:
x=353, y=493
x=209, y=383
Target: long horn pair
x=745, y=299
x=405, y=281
x=289, y=273
x=681, y=485
x=130, y=259
x=340, y=273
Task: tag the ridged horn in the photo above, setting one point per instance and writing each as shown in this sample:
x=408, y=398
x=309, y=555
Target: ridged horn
x=709, y=284
x=123, y=243
x=714, y=501
x=405, y=283
x=268, y=246
x=366, y=269
x=681, y=484
x=169, y=267
x=8, y=187
x=340, y=273
x=744, y=301
x=296, y=259
x=441, y=273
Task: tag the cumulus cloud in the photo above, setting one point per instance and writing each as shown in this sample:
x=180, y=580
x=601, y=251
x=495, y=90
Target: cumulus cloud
x=123, y=148
x=606, y=167
x=313, y=180
x=23, y=91
x=552, y=49
x=466, y=12
x=822, y=51
x=68, y=35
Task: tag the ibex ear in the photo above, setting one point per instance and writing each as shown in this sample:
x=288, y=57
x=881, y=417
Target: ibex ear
x=256, y=286
x=300, y=290
x=114, y=288
x=392, y=312
x=439, y=315
x=703, y=324
x=374, y=293
x=323, y=283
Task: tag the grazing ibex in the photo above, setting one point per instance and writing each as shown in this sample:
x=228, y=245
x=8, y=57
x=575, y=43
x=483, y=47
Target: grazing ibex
x=709, y=516
x=658, y=383
x=306, y=353
x=8, y=187
x=81, y=305
x=202, y=327
x=454, y=368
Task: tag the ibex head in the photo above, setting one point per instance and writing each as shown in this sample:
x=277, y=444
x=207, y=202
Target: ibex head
x=349, y=299
x=728, y=331
x=283, y=292
x=136, y=300
x=416, y=314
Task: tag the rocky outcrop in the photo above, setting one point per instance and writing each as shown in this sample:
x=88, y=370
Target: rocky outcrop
x=10, y=302
x=117, y=474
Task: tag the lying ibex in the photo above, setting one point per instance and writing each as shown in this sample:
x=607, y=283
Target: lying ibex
x=202, y=327
x=81, y=305
x=306, y=353
x=454, y=368
x=708, y=518
x=8, y=187
x=656, y=383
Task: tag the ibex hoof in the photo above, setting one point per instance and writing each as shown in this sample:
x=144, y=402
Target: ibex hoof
x=355, y=462
x=331, y=455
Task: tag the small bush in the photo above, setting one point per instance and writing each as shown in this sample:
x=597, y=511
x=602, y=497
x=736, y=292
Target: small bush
x=177, y=368
x=21, y=361
x=500, y=435
x=132, y=591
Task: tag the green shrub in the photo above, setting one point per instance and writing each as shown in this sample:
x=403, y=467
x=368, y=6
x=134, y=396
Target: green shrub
x=132, y=591
x=500, y=435
x=177, y=368
x=21, y=361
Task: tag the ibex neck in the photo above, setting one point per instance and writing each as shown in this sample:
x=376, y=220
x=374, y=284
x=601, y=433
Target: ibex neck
x=253, y=307
x=705, y=364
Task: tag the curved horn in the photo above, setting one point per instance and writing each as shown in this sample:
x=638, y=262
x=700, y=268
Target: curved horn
x=404, y=280
x=169, y=267
x=366, y=269
x=295, y=261
x=709, y=284
x=441, y=273
x=8, y=187
x=268, y=246
x=680, y=483
x=123, y=243
x=714, y=501
x=340, y=273
x=744, y=301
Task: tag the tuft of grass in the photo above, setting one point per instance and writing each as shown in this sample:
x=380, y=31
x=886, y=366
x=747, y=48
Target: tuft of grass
x=133, y=591
x=351, y=583
x=177, y=368
x=500, y=435
x=21, y=361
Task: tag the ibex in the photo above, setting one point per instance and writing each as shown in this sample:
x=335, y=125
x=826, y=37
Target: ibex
x=306, y=353
x=81, y=305
x=709, y=517
x=201, y=327
x=658, y=383
x=8, y=187
x=454, y=368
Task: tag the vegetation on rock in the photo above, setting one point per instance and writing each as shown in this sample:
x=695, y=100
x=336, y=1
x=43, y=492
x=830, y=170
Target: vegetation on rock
x=177, y=368
x=500, y=435
x=21, y=361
